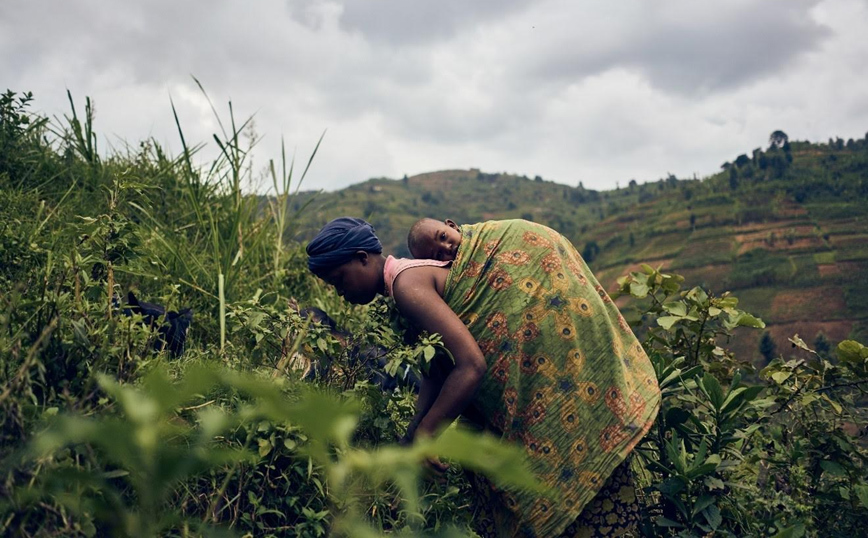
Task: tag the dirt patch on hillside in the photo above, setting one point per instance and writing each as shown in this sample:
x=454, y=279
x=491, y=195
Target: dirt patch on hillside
x=829, y=270
x=779, y=244
x=757, y=227
x=843, y=226
x=788, y=208
x=849, y=270
x=781, y=233
x=808, y=304
x=665, y=246
x=835, y=331
x=851, y=240
x=745, y=343
x=786, y=238
x=711, y=277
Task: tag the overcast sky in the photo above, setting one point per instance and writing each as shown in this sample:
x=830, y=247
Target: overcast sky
x=594, y=91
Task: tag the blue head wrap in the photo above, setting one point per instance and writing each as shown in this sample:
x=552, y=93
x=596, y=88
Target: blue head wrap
x=338, y=241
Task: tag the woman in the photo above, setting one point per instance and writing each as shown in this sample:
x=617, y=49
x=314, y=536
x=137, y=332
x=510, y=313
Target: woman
x=540, y=352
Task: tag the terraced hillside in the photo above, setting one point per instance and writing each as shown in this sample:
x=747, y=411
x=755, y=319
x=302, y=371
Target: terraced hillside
x=785, y=229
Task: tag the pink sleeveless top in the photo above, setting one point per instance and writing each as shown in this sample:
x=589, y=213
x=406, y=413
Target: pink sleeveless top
x=394, y=267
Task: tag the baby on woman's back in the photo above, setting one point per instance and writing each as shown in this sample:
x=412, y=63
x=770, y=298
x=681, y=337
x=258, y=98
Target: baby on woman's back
x=431, y=239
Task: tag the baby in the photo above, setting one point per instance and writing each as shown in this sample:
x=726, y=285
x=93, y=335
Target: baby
x=431, y=239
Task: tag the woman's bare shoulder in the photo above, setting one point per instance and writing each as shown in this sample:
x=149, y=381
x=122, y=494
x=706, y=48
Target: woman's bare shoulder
x=421, y=278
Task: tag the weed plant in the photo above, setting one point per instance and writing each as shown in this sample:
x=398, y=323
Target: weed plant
x=101, y=435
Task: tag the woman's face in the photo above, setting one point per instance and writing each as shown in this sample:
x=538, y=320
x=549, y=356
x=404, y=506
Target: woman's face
x=357, y=281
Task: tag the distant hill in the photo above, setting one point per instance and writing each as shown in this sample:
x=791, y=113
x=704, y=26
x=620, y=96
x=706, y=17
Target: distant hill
x=785, y=229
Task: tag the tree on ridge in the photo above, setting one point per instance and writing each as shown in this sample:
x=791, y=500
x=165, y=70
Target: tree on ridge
x=778, y=139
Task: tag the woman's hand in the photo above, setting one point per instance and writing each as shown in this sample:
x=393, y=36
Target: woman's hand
x=436, y=465
x=433, y=463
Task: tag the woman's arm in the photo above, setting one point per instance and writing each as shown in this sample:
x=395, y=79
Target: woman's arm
x=417, y=298
x=429, y=389
x=428, y=392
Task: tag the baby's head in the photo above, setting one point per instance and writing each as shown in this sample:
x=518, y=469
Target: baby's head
x=434, y=240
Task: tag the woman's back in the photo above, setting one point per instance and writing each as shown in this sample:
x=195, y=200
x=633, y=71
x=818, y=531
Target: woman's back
x=566, y=376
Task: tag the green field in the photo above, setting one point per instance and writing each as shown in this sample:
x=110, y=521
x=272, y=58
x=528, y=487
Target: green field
x=264, y=423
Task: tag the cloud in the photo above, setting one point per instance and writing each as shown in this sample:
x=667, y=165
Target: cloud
x=402, y=23
x=681, y=46
x=594, y=91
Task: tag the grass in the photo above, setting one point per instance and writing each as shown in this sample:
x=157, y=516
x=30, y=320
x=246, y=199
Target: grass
x=187, y=234
x=836, y=211
x=698, y=253
x=757, y=301
x=824, y=257
x=760, y=267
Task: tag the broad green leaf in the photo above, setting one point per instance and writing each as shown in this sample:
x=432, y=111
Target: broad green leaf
x=796, y=531
x=854, y=355
x=746, y=320
x=638, y=289
x=713, y=483
x=702, y=503
x=833, y=468
x=835, y=405
x=505, y=464
x=799, y=343
x=672, y=285
x=711, y=464
x=79, y=330
x=727, y=302
x=781, y=376
x=676, y=308
x=664, y=522
x=672, y=485
x=668, y=321
x=712, y=515
x=698, y=294
x=714, y=390
x=861, y=491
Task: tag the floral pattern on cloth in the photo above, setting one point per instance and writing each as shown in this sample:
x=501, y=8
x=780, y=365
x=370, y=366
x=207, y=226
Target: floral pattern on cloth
x=614, y=511
x=567, y=379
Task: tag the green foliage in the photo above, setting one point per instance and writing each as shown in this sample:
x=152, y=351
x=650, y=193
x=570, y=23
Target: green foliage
x=103, y=435
x=759, y=267
x=736, y=457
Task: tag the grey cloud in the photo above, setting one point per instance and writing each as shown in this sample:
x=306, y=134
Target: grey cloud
x=403, y=22
x=554, y=87
x=688, y=47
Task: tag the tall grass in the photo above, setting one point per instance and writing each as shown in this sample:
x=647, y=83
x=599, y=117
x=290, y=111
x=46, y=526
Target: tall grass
x=102, y=435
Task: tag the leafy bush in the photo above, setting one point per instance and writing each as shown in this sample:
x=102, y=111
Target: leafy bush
x=741, y=458
x=101, y=434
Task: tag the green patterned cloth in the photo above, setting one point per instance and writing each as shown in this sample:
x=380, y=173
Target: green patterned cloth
x=567, y=379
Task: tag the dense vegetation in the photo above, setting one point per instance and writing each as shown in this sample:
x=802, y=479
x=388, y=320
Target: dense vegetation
x=105, y=432
x=786, y=227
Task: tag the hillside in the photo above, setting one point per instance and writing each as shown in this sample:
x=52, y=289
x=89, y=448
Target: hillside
x=118, y=420
x=785, y=229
